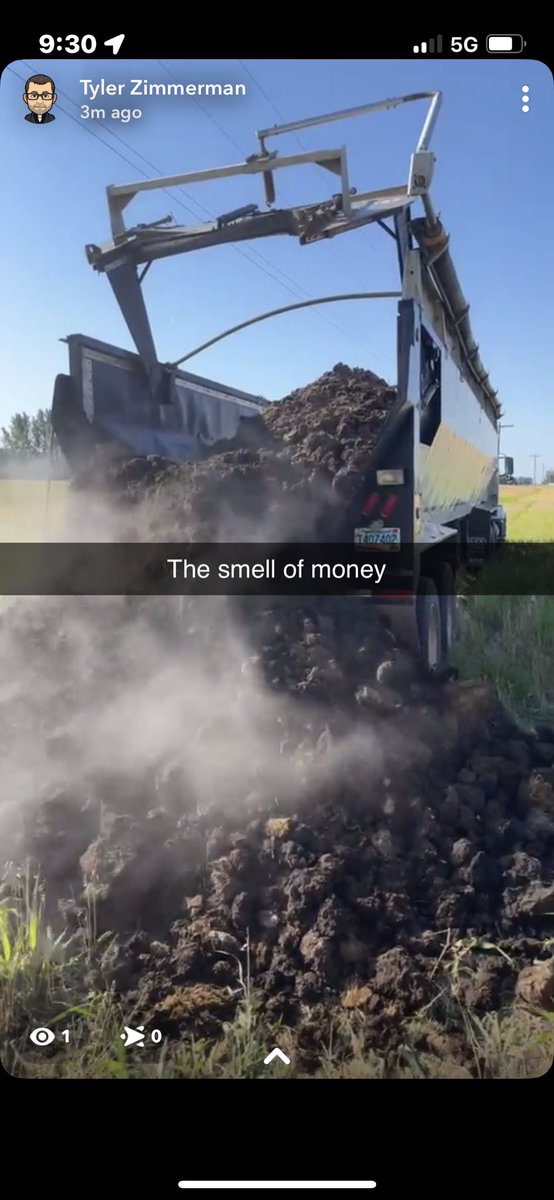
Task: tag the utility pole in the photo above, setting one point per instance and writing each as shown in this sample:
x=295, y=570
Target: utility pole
x=535, y=457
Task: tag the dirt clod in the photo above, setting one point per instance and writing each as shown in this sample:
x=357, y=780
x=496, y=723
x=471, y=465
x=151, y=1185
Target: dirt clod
x=535, y=985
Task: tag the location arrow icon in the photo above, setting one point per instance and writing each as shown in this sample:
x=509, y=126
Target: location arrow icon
x=276, y=1053
x=116, y=42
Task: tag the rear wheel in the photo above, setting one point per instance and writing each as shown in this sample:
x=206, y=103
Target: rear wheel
x=444, y=580
x=429, y=624
x=494, y=533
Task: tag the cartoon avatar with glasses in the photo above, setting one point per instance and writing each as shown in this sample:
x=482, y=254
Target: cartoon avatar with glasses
x=39, y=96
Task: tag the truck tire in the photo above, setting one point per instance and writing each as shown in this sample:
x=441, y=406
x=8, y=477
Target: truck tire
x=444, y=579
x=494, y=534
x=429, y=626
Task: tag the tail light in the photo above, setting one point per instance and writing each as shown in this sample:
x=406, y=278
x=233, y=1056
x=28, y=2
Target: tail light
x=389, y=506
x=370, y=504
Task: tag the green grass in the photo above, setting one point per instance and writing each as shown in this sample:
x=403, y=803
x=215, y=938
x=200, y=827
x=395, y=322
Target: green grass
x=510, y=641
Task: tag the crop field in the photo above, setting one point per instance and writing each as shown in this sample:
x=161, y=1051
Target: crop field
x=31, y=510
x=507, y=639
x=530, y=513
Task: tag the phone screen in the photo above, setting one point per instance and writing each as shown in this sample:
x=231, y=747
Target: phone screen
x=275, y=321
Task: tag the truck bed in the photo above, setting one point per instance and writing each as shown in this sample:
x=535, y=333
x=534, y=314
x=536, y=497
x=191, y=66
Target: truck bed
x=106, y=398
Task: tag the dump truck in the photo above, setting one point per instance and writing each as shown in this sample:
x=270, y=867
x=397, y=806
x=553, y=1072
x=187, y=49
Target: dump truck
x=433, y=478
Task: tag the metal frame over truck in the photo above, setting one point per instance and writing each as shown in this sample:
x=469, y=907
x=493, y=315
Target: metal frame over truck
x=433, y=478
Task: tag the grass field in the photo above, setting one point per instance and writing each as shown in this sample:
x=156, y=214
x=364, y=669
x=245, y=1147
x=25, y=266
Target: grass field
x=530, y=513
x=31, y=510
x=510, y=639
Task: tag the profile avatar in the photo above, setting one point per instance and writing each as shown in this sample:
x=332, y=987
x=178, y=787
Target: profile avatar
x=39, y=96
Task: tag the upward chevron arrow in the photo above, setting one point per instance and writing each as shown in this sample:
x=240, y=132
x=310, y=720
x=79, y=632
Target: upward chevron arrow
x=276, y=1053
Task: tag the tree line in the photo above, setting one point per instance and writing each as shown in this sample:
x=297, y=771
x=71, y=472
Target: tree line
x=28, y=438
x=27, y=447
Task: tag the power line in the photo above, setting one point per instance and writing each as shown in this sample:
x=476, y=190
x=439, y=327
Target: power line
x=253, y=251
x=295, y=290
x=301, y=144
x=206, y=112
x=199, y=206
x=264, y=93
x=93, y=133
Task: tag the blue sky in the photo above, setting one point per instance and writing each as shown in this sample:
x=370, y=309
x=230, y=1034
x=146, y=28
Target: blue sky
x=493, y=186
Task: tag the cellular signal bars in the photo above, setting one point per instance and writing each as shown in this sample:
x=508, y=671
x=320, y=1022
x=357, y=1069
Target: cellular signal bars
x=433, y=46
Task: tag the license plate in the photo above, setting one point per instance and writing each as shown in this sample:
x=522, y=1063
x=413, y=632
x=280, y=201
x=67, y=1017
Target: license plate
x=386, y=538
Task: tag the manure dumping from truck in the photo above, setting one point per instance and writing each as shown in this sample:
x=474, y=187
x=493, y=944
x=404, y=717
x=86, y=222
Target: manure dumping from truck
x=287, y=474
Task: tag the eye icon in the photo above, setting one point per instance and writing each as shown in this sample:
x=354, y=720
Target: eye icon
x=42, y=1037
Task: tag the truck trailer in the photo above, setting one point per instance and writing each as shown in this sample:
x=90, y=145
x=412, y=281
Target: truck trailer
x=433, y=478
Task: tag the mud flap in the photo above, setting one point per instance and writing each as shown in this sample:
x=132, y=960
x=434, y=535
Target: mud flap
x=71, y=427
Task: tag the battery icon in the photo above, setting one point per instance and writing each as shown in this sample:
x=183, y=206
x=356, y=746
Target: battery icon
x=511, y=43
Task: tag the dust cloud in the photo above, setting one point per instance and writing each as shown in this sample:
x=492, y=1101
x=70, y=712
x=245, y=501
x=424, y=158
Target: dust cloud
x=163, y=701
x=199, y=702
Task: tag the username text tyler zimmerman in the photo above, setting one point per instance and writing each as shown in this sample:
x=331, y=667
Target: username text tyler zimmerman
x=92, y=89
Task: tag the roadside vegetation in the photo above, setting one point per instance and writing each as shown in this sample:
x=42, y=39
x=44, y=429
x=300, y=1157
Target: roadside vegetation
x=510, y=639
